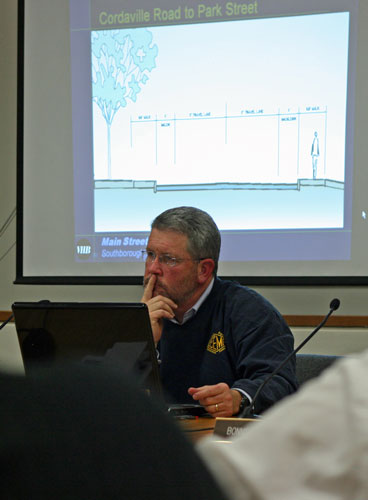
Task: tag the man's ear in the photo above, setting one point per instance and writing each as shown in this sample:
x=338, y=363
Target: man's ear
x=205, y=270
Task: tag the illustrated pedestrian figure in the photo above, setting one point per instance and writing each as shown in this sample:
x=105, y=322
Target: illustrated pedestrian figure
x=315, y=154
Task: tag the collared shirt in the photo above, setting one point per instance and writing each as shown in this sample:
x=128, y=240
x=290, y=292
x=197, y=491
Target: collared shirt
x=193, y=310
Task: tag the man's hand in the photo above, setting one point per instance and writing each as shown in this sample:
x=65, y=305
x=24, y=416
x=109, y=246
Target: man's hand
x=159, y=307
x=219, y=399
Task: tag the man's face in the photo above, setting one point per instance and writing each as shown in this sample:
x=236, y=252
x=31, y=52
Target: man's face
x=178, y=282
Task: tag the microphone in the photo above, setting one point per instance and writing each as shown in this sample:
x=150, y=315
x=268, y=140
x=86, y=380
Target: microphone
x=248, y=411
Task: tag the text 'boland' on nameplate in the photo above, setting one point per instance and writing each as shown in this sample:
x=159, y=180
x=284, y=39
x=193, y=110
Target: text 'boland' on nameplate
x=231, y=427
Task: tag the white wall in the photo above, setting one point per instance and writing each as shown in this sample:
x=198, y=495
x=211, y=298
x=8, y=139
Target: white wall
x=289, y=300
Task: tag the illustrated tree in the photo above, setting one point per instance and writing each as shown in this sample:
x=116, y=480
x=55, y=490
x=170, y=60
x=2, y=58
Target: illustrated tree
x=121, y=61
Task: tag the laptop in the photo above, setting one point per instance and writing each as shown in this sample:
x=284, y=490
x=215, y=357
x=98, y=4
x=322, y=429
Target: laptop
x=116, y=335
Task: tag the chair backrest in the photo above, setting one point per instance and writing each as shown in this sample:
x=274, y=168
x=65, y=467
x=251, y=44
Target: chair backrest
x=311, y=365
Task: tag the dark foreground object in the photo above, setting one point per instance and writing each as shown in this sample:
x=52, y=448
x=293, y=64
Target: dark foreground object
x=78, y=433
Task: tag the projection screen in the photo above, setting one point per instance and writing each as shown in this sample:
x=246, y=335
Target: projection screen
x=249, y=110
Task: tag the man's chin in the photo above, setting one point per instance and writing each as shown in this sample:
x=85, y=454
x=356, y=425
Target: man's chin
x=159, y=290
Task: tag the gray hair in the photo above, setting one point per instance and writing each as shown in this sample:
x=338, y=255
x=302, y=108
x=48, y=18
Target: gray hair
x=204, y=239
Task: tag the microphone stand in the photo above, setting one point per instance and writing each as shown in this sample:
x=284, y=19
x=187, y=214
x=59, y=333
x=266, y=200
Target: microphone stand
x=248, y=411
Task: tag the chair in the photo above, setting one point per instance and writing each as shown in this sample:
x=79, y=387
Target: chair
x=309, y=366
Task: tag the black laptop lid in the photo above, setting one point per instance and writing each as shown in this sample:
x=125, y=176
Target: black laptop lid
x=115, y=334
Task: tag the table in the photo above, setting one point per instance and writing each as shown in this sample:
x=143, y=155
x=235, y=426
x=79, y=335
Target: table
x=198, y=427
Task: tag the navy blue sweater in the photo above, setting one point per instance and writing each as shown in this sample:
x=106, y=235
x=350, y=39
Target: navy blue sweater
x=236, y=337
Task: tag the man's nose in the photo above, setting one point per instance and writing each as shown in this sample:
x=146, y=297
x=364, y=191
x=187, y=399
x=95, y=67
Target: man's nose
x=155, y=266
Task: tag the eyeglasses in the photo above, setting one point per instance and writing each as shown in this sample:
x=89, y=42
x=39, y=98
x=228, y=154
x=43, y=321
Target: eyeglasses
x=165, y=258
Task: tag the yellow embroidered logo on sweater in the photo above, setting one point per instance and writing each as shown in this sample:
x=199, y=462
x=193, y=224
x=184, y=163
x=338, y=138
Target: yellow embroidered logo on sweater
x=216, y=343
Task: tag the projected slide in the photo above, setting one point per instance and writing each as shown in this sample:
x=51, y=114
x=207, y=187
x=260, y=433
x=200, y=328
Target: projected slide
x=244, y=119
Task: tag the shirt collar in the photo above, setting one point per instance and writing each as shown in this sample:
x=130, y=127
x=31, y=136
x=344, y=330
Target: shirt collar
x=194, y=309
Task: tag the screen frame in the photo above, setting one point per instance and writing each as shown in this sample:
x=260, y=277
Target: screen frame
x=120, y=280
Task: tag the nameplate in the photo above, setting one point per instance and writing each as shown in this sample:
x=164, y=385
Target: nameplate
x=229, y=428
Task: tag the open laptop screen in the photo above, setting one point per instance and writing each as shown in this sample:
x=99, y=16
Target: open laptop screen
x=116, y=334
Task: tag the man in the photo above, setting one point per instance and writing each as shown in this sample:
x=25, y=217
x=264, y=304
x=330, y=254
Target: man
x=315, y=154
x=217, y=340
